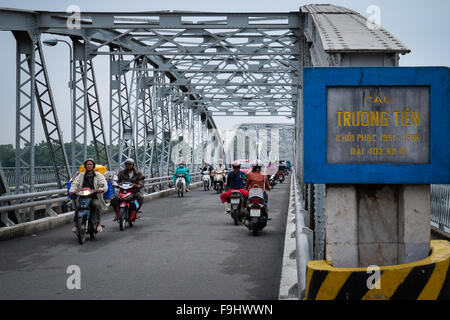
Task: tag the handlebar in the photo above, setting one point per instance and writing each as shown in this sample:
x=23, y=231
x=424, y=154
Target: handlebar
x=125, y=185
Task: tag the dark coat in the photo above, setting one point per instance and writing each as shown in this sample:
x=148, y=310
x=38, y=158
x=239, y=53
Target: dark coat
x=137, y=177
x=236, y=181
x=210, y=168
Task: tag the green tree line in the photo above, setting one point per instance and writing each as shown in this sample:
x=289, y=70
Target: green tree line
x=42, y=153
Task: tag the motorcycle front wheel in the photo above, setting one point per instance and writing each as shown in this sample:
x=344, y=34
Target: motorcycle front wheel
x=91, y=230
x=81, y=230
x=122, y=218
x=234, y=214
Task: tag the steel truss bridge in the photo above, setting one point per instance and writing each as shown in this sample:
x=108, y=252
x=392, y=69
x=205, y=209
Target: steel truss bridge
x=172, y=74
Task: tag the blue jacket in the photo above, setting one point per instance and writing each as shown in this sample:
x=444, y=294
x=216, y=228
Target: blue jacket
x=236, y=181
x=182, y=170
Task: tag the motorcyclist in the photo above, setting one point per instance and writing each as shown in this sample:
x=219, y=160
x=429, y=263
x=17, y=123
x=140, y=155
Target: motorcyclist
x=281, y=169
x=130, y=174
x=93, y=180
x=221, y=166
x=235, y=181
x=288, y=165
x=258, y=178
x=210, y=169
x=182, y=169
x=282, y=166
x=271, y=169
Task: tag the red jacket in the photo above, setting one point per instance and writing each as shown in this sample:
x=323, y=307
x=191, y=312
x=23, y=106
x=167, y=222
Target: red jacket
x=256, y=177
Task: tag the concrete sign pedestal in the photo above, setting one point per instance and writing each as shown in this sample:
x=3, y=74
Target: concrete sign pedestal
x=376, y=224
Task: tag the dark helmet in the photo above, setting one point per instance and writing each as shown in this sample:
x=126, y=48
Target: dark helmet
x=89, y=159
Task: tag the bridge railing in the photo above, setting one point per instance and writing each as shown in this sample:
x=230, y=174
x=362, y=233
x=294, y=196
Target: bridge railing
x=47, y=199
x=440, y=206
x=43, y=176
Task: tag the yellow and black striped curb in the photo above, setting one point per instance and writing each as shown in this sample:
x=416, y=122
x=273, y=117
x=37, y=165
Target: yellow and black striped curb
x=427, y=279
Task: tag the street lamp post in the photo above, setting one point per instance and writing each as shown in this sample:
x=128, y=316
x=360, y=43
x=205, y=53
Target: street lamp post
x=52, y=43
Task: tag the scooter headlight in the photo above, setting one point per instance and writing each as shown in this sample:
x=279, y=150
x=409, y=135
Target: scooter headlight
x=84, y=193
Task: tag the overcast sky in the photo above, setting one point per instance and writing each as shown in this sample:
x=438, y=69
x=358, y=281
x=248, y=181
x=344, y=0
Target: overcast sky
x=421, y=25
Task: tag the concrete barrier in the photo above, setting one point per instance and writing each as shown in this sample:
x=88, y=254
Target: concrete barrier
x=289, y=279
x=32, y=227
x=427, y=279
x=297, y=247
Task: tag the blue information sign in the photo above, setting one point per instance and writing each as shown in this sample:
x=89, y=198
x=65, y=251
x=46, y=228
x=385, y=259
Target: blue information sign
x=376, y=125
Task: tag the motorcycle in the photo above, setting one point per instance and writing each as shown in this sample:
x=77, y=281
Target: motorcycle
x=281, y=176
x=84, y=217
x=128, y=206
x=219, y=180
x=272, y=180
x=256, y=216
x=288, y=171
x=180, y=184
x=206, y=180
x=237, y=203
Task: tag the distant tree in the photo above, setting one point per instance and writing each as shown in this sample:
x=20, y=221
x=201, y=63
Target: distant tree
x=7, y=155
x=42, y=154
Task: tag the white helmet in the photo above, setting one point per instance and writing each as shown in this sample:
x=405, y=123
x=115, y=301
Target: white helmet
x=257, y=163
x=129, y=160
